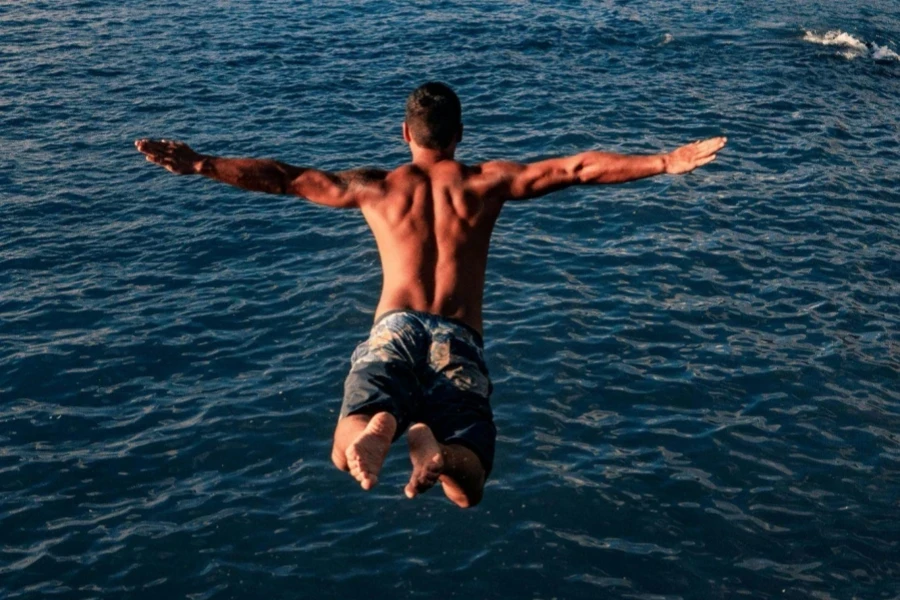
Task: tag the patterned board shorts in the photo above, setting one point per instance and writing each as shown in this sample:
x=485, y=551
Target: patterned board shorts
x=423, y=368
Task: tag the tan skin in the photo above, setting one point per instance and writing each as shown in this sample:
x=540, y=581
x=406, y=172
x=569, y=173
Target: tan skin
x=432, y=220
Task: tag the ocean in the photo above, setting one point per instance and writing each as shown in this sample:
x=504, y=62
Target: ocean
x=695, y=378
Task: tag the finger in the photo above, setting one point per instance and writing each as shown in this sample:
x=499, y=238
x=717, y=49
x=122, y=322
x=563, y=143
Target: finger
x=710, y=145
x=147, y=146
x=157, y=161
x=706, y=160
x=716, y=143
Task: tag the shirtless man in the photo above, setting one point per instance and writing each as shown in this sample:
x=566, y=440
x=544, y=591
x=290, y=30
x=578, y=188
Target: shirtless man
x=422, y=368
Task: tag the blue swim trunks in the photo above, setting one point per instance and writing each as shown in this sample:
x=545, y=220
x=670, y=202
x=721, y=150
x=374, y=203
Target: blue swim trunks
x=423, y=368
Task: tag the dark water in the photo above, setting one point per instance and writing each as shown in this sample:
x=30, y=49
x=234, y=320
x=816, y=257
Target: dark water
x=696, y=379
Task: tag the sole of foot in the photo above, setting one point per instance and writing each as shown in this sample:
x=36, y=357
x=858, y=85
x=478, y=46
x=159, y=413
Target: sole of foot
x=427, y=460
x=367, y=452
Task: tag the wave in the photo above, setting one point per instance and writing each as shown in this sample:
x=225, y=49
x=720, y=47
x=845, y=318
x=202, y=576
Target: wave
x=851, y=47
x=884, y=53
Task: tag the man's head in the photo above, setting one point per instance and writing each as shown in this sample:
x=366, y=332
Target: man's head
x=434, y=116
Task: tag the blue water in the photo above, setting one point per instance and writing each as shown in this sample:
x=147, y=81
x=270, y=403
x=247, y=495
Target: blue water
x=696, y=379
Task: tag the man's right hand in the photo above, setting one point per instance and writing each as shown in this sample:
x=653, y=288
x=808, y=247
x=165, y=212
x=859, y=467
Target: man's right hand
x=687, y=158
x=176, y=157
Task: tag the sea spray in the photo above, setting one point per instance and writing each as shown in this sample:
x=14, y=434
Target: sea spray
x=851, y=47
x=884, y=53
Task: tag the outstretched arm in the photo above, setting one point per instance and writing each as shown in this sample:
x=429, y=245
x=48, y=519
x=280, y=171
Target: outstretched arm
x=343, y=190
x=514, y=181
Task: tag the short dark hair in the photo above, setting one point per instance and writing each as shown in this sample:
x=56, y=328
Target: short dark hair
x=434, y=115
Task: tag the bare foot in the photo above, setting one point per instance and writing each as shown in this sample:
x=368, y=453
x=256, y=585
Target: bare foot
x=367, y=452
x=427, y=459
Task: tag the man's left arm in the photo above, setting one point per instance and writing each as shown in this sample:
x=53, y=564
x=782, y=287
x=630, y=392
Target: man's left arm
x=340, y=190
x=514, y=181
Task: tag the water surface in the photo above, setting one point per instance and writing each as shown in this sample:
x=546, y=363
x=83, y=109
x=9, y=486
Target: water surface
x=696, y=378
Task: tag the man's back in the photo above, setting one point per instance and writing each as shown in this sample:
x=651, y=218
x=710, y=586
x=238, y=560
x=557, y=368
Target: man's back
x=433, y=229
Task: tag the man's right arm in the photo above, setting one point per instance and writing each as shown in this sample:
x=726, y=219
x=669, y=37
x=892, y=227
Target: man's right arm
x=514, y=181
x=344, y=189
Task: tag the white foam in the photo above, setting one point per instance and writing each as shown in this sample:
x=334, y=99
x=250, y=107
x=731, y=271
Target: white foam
x=852, y=47
x=884, y=53
x=836, y=38
x=668, y=38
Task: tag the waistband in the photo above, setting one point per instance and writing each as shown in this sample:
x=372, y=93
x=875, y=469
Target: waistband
x=426, y=315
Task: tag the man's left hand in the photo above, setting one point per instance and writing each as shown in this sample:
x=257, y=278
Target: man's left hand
x=175, y=157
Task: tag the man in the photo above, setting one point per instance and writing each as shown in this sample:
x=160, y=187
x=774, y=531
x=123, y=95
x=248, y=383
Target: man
x=422, y=368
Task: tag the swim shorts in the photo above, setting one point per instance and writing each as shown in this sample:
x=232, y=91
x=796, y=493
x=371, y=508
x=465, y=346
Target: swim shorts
x=423, y=368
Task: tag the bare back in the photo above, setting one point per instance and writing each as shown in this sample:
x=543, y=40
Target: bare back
x=432, y=219
x=433, y=230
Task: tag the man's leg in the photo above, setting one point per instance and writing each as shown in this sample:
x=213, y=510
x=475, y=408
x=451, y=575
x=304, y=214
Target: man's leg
x=458, y=468
x=361, y=443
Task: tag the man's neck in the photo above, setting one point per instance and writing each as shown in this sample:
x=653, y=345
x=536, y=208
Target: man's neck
x=425, y=157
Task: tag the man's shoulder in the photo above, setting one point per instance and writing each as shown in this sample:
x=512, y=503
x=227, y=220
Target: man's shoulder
x=473, y=177
x=446, y=169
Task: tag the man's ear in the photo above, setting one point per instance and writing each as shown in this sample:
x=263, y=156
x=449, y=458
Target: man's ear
x=406, y=136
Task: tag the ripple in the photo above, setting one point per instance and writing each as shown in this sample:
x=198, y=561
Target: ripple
x=695, y=378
